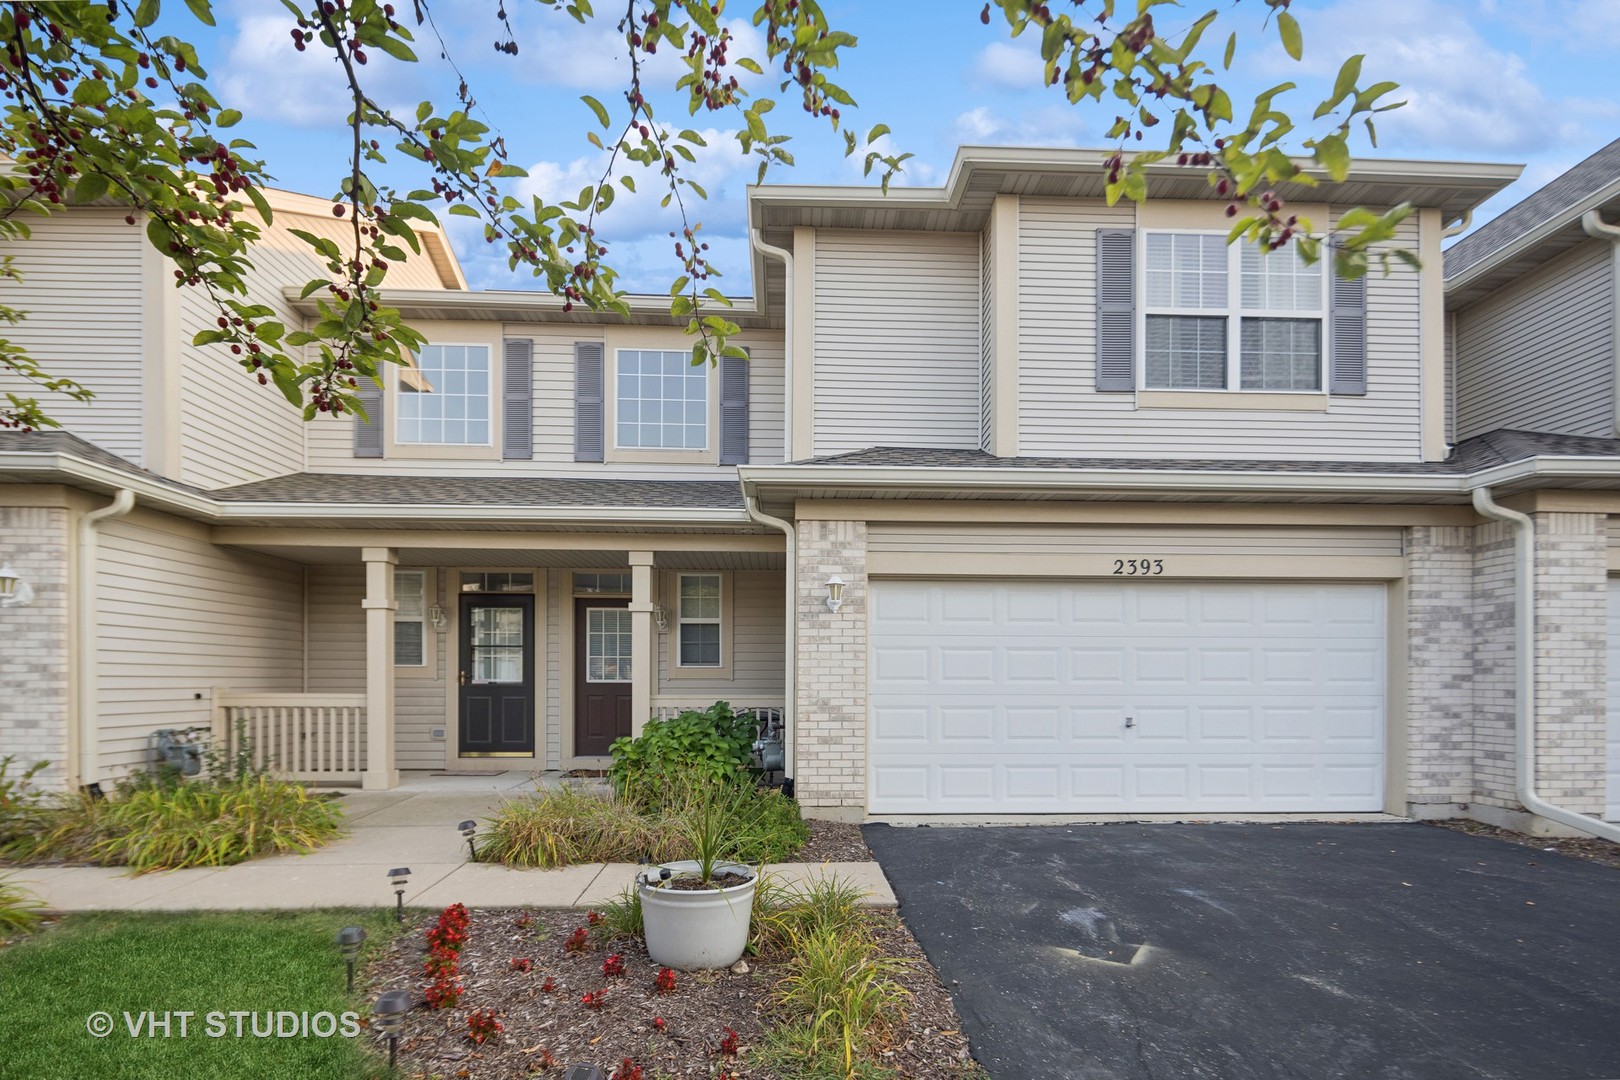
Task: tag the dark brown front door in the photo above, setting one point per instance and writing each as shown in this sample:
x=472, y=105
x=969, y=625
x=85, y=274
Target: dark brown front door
x=602, y=677
x=497, y=676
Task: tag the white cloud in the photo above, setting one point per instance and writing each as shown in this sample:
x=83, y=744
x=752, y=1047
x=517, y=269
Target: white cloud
x=1009, y=67
x=1046, y=125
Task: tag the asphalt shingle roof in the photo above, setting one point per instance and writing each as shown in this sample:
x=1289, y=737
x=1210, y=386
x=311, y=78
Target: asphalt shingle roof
x=1569, y=189
x=487, y=491
x=1471, y=455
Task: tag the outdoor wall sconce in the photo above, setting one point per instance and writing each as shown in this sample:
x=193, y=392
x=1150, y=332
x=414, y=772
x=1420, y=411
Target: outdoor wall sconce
x=398, y=877
x=835, y=593
x=660, y=618
x=14, y=590
x=388, y=1016
x=437, y=618
x=467, y=829
x=349, y=940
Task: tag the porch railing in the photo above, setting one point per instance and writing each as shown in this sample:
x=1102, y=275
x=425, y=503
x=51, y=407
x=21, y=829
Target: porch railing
x=665, y=708
x=311, y=737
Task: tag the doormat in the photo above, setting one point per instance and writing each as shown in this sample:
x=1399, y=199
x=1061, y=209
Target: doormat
x=480, y=772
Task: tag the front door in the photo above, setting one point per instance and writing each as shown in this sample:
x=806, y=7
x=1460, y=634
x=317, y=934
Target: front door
x=497, y=676
x=602, y=692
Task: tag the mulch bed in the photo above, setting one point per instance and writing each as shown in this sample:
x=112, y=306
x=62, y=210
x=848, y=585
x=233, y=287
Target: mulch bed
x=557, y=1027
x=833, y=841
x=1589, y=848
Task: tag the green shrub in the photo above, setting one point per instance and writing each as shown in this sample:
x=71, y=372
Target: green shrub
x=564, y=827
x=713, y=743
x=19, y=799
x=842, y=989
x=161, y=824
x=620, y=917
x=786, y=913
x=19, y=909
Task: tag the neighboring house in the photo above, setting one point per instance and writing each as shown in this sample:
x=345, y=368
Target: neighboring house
x=1022, y=504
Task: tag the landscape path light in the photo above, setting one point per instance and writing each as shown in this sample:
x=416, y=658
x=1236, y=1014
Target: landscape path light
x=388, y=1016
x=349, y=940
x=468, y=828
x=398, y=877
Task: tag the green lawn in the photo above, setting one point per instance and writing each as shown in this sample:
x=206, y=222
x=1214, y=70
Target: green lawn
x=166, y=963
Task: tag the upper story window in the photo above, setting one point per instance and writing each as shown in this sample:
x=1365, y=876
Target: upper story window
x=454, y=409
x=1228, y=317
x=661, y=401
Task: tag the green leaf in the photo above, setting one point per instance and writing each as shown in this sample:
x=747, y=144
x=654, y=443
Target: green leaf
x=1345, y=84
x=597, y=108
x=227, y=118
x=91, y=186
x=463, y=210
x=1288, y=29
x=146, y=13
x=1231, y=51
x=877, y=133
x=396, y=48
x=1334, y=156
x=203, y=11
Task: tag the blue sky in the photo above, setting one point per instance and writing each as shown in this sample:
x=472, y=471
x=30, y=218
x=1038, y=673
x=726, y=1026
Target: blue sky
x=1526, y=81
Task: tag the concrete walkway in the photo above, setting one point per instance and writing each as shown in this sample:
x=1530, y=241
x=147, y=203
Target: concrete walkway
x=412, y=826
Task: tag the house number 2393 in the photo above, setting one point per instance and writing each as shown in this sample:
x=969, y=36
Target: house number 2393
x=1138, y=567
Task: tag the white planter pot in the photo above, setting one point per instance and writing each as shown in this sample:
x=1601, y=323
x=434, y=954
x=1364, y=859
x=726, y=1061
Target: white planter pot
x=699, y=928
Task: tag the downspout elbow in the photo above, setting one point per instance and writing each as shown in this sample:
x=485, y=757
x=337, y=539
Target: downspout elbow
x=791, y=578
x=1524, y=671
x=1460, y=227
x=87, y=641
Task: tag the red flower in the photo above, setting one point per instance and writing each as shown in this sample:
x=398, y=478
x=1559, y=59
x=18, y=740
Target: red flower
x=524, y=921
x=523, y=964
x=578, y=941
x=728, y=1043
x=481, y=1024
x=548, y=986
x=665, y=982
x=593, y=917
x=613, y=966
x=594, y=1001
x=658, y=1023
x=627, y=1070
x=444, y=993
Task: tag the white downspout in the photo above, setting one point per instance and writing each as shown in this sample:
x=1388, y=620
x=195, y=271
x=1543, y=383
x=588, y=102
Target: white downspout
x=789, y=711
x=787, y=337
x=1524, y=671
x=1460, y=227
x=88, y=639
x=1593, y=224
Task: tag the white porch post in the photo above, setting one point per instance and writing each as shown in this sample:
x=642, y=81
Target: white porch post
x=379, y=606
x=643, y=643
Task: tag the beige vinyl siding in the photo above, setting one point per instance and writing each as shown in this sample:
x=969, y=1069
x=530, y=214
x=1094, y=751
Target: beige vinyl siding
x=179, y=618
x=758, y=645
x=1062, y=414
x=81, y=292
x=330, y=441
x=1538, y=354
x=987, y=338
x=1013, y=541
x=337, y=661
x=898, y=348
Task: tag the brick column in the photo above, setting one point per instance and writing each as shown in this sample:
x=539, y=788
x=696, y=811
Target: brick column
x=1572, y=601
x=831, y=723
x=1494, y=574
x=34, y=677
x=1440, y=669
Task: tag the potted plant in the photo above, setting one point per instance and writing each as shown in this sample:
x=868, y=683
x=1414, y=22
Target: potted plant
x=696, y=912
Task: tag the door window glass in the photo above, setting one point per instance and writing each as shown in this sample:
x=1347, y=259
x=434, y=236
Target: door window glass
x=607, y=645
x=497, y=644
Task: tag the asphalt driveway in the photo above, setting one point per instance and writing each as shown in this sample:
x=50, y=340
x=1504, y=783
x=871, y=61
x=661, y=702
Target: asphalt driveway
x=1175, y=952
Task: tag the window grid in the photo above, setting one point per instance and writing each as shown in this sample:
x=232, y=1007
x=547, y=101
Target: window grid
x=456, y=412
x=607, y=645
x=497, y=645
x=1268, y=335
x=410, y=618
x=661, y=401
x=698, y=620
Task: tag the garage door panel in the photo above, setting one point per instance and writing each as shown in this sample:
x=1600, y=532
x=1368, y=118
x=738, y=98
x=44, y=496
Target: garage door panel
x=1126, y=697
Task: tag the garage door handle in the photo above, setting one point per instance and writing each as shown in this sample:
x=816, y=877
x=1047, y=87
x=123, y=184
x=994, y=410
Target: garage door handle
x=1130, y=721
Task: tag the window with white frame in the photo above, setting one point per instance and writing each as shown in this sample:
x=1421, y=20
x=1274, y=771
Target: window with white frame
x=410, y=618
x=454, y=410
x=1221, y=316
x=661, y=401
x=697, y=619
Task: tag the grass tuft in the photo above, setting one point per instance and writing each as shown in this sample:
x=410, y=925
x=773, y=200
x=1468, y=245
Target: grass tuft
x=20, y=910
x=784, y=914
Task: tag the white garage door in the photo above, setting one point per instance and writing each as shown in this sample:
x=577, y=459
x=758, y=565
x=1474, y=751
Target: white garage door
x=1129, y=697
x=1612, y=811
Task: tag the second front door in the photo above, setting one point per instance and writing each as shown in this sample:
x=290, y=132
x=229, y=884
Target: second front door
x=602, y=687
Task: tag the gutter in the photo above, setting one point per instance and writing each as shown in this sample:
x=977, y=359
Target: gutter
x=1593, y=224
x=786, y=258
x=86, y=638
x=791, y=577
x=1524, y=671
x=1533, y=236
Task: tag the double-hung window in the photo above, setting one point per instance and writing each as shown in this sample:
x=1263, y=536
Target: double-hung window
x=661, y=401
x=410, y=618
x=1221, y=316
x=697, y=620
x=454, y=410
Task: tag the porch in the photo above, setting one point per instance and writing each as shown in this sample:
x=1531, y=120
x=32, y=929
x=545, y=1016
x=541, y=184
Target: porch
x=464, y=654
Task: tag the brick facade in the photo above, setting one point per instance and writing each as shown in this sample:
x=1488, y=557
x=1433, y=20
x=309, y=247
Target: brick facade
x=830, y=744
x=1440, y=668
x=34, y=654
x=1572, y=604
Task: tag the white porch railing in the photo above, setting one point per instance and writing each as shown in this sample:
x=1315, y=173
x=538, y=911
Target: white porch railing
x=663, y=708
x=312, y=737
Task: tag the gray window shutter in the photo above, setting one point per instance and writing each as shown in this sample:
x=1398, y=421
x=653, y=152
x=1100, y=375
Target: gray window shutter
x=368, y=433
x=590, y=436
x=1347, y=319
x=733, y=410
x=1116, y=310
x=517, y=400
